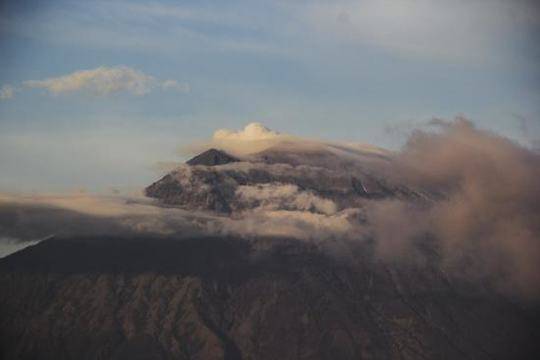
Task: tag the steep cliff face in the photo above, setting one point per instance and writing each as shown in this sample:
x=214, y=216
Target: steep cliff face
x=225, y=298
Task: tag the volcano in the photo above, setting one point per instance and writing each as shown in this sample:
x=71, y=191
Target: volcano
x=226, y=296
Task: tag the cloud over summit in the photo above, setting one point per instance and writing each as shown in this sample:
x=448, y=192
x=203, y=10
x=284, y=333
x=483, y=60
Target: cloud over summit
x=255, y=138
x=251, y=132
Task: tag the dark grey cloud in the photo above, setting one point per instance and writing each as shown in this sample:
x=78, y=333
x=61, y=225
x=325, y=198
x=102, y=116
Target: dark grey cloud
x=487, y=223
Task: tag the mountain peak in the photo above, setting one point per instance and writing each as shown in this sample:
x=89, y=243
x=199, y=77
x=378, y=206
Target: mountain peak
x=212, y=157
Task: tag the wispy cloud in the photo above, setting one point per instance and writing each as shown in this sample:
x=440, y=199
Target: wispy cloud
x=7, y=92
x=451, y=30
x=145, y=27
x=106, y=80
x=175, y=85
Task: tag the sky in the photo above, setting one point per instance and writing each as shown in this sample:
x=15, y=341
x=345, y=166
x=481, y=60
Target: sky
x=95, y=94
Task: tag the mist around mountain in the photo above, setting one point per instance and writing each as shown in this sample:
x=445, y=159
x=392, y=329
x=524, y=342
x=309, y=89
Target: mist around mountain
x=268, y=246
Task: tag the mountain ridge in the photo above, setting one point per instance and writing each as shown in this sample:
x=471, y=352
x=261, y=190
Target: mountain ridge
x=316, y=172
x=219, y=298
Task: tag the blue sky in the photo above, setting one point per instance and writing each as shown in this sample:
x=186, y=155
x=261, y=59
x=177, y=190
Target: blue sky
x=162, y=74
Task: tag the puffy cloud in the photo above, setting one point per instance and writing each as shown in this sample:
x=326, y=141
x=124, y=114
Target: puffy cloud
x=7, y=92
x=252, y=132
x=253, y=138
x=105, y=80
x=487, y=222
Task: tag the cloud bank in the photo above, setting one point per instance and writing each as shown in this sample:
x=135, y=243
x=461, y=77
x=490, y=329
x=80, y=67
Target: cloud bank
x=25, y=219
x=488, y=222
x=38, y=216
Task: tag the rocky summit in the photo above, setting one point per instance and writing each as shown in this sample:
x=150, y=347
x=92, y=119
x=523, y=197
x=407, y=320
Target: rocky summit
x=227, y=187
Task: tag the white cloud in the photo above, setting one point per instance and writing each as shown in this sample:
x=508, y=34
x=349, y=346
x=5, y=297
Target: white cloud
x=47, y=214
x=175, y=85
x=84, y=203
x=252, y=132
x=7, y=92
x=302, y=225
x=99, y=81
x=255, y=137
x=276, y=196
x=105, y=80
x=39, y=216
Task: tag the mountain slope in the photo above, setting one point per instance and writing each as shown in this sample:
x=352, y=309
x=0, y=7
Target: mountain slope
x=342, y=275
x=225, y=298
x=347, y=182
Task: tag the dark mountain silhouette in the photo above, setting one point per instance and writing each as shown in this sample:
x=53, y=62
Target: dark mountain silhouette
x=226, y=298
x=212, y=157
